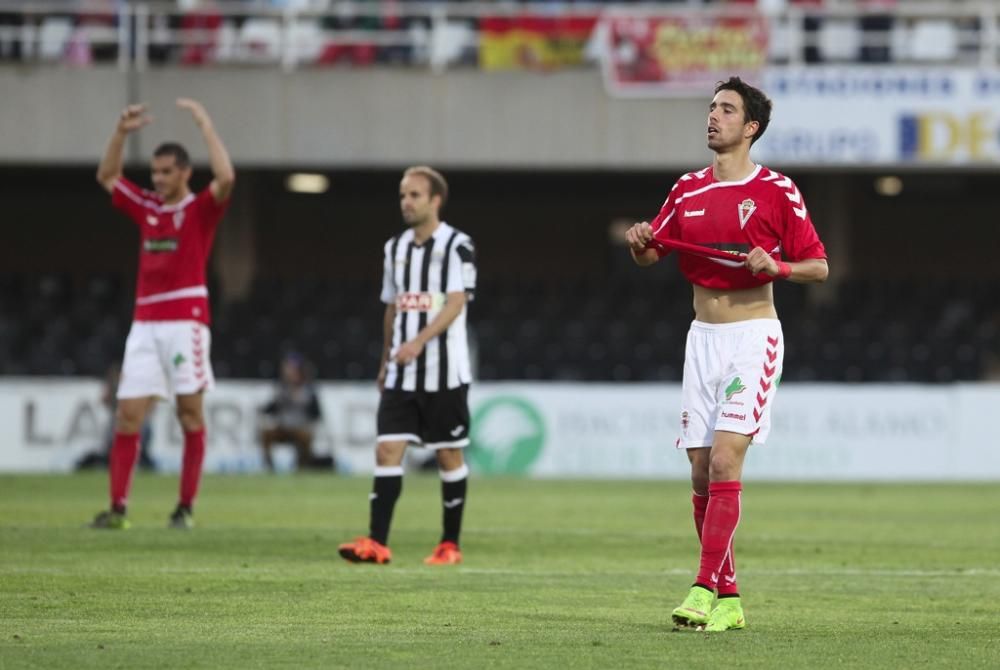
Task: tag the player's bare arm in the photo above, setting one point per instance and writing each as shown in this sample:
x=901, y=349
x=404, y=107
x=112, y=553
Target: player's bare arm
x=802, y=272
x=638, y=237
x=132, y=118
x=223, y=174
x=453, y=306
x=387, y=322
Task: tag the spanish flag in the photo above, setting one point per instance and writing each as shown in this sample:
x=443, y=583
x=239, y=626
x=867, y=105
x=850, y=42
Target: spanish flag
x=533, y=42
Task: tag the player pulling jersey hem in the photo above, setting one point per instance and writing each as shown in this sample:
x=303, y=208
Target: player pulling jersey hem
x=758, y=220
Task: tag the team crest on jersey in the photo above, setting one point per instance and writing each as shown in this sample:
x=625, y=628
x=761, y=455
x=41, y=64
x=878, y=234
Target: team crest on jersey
x=178, y=219
x=746, y=208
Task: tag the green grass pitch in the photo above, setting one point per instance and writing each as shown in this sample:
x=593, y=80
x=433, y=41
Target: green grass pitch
x=557, y=574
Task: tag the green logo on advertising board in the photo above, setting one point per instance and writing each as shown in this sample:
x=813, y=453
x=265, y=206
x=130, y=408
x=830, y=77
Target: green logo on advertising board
x=508, y=435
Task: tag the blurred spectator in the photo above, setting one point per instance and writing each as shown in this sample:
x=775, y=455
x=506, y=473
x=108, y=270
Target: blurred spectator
x=96, y=17
x=202, y=21
x=342, y=19
x=875, y=25
x=811, y=25
x=98, y=458
x=292, y=415
x=10, y=40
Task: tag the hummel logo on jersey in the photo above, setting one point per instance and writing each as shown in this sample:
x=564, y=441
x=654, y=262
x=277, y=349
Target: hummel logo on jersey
x=178, y=360
x=694, y=212
x=152, y=220
x=457, y=430
x=746, y=208
x=453, y=503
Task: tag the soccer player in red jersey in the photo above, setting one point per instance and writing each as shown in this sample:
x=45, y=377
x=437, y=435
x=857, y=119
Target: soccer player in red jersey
x=167, y=350
x=733, y=357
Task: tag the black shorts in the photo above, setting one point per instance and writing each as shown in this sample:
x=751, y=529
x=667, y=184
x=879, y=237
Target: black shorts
x=438, y=420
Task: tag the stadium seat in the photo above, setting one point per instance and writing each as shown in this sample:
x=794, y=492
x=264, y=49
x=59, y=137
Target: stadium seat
x=307, y=40
x=449, y=40
x=933, y=40
x=839, y=40
x=53, y=37
x=260, y=41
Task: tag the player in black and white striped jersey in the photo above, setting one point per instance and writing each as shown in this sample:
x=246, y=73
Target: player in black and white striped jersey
x=429, y=276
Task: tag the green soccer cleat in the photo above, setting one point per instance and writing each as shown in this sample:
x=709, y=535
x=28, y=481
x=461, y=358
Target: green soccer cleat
x=693, y=612
x=727, y=615
x=110, y=520
x=181, y=519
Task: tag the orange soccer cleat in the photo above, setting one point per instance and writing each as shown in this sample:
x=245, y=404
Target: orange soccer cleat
x=365, y=550
x=446, y=553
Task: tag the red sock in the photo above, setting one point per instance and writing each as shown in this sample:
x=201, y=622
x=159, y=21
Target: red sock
x=700, y=507
x=727, y=576
x=194, y=454
x=721, y=519
x=124, y=454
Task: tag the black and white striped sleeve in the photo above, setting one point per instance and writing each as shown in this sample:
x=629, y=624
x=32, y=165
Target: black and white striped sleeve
x=388, y=273
x=462, y=267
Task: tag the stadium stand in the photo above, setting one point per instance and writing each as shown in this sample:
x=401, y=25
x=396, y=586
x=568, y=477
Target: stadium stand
x=891, y=330
x=896, y=332
x=441, y=33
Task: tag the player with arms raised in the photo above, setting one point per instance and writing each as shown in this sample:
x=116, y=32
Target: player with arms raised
x=733, y=357
x=167, y=350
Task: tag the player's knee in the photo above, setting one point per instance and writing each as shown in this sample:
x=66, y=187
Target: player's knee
x=128, y=419
x=449, y=459
x=389, y=453
x=699, y=482
x=191, y=418
x=722, y=467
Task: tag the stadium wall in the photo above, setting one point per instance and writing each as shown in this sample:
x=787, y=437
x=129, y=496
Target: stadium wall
x=355, y=118
x=821, y=432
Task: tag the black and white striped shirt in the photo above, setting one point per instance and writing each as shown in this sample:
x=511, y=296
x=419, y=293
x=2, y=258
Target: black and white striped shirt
x=416, y=279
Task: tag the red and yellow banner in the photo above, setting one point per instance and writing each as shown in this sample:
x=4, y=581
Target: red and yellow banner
x=533, y=42
x=683, y=53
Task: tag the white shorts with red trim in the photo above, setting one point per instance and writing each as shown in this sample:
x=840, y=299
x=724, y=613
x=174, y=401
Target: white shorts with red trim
x=166, y=359
x=731, y=374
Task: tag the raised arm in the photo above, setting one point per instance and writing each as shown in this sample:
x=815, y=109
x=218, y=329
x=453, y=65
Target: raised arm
x=223, y=175
x=131, y=119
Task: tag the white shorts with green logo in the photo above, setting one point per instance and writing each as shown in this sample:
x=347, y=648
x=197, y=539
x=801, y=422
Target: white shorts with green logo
x=731, y=375
x=166, y=358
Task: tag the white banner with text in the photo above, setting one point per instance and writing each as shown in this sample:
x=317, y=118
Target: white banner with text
x=887, y=116
x=821, y=431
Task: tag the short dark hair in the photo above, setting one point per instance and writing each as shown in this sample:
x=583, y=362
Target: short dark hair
x=180, y=154
x=756, y=105
x=438, y=185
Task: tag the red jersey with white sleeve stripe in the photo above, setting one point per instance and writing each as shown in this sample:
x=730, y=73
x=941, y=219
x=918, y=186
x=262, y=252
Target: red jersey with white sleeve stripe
x=175, y=241
x=763, y=210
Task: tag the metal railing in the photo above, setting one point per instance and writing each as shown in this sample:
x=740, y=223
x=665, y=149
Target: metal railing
x=447, y=34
